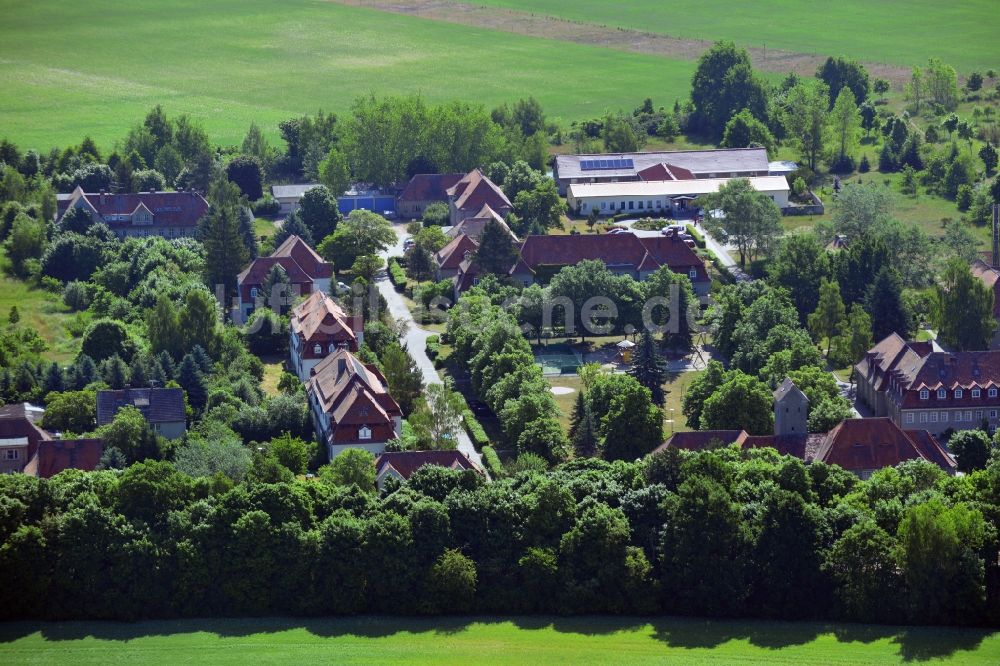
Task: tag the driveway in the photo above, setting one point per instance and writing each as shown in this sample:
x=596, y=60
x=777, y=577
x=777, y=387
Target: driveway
x=415, y=338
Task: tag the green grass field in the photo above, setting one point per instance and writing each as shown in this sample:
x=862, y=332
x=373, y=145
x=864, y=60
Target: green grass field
x=72, y=69
x=901, y=32
x=529, y=640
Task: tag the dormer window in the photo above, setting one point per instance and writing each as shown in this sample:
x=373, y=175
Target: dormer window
x=693, y=273
x=992, y=393
x=364, y=432
x=924, y=394
x=254, y=292
x=958, y=393
x=333, y=347
x=975, y=393
x=942, y=394
x=318, y=349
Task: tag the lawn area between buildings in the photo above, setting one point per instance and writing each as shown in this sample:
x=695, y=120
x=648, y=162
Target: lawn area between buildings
x=468, y=640
x=674, y=389
x=274, y=366
x=230, y=62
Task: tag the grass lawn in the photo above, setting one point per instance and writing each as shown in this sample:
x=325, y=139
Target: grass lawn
x=273, y=367
x=264, y=228
x=902, y=32
x=468, y=640
x=674, y=389
x=42, y=311
x=71, y=69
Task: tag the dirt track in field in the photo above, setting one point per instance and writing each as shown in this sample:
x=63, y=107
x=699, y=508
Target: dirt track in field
x=591, y=34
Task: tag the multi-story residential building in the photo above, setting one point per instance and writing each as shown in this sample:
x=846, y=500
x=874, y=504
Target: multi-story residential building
x=467, y=197
x=319, y=327
x=351, y=406
x=919, y=386
x=307, y=273
x=143, y=214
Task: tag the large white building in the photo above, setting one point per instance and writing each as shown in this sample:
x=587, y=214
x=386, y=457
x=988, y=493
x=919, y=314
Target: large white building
x=661, y=196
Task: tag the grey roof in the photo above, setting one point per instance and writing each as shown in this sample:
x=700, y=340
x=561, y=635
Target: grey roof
x=726, y=160
x=287, y=191
x=158, y=405
x=788, y=388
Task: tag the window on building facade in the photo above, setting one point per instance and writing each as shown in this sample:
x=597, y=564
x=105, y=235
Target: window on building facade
x=923, y=417
x=934, y=417
x=631, y=205
x=254, y=292
x=968, y=415
x=604, y=204
x=958, y=393
x=318, y=349
x=942, y=394
x=993, y=413
x=692, y=273
x=924, y=394
x=979, y=415
x=365, y=432
x=958, y=416
x=640, y=205
x=992, y=393
x=909, y=417
x=11, y=454
x=944, y=417
x=975, y=393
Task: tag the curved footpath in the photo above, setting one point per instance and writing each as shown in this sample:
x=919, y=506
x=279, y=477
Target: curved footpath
x=415, y=338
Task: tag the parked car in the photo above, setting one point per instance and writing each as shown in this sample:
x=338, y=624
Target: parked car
x=672, y=229
x=408, y=243
x=617, y=230
x=342, y=288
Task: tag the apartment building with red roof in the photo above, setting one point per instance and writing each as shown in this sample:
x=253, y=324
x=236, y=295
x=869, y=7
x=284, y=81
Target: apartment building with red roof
x=540, y=257
x=351, y=406
x=919, y=386
x=467, y=197
x=142, y=214
x=319, y=327
x=307, y=273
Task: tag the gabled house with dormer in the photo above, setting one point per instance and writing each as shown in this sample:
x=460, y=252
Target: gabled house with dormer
x=318, y=328
x=351, y=406
x=142, y=214
x=307, y=273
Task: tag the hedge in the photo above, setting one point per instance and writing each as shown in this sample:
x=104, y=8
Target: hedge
x=396, y=274
x=699, y=239
x=475, y=429
x=433, y=347
x=492, y=462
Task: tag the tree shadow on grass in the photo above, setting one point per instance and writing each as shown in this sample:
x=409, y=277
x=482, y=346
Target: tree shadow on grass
x=915, y=644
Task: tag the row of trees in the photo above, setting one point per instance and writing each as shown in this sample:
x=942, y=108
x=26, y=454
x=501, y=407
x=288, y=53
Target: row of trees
x=719, y=533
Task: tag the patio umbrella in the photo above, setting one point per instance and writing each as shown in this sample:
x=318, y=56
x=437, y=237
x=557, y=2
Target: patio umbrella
x=626, y=344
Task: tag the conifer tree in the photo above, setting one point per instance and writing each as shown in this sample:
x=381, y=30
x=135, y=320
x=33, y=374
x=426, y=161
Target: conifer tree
x=649, y=368
x=225, y=252
x=496, y=251
x=193, y=382
x=585, y=440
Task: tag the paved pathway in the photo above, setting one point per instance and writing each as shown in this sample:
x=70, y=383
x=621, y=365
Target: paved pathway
x=415, y=338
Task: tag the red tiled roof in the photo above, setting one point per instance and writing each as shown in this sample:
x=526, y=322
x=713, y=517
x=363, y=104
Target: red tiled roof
x=319, y=319
x=664, y=171
x=405, y=463
x=991, y=278
x=312, y=264
x=256, y=273
x=947, y=370
x=869, y=444
x=700, y=439
x=353, y=393
x=56, y=455
x=430, y=186
x=614, y=250
x=474, y=190
x=175, y=209
x=452, y=255
x=883, y=359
